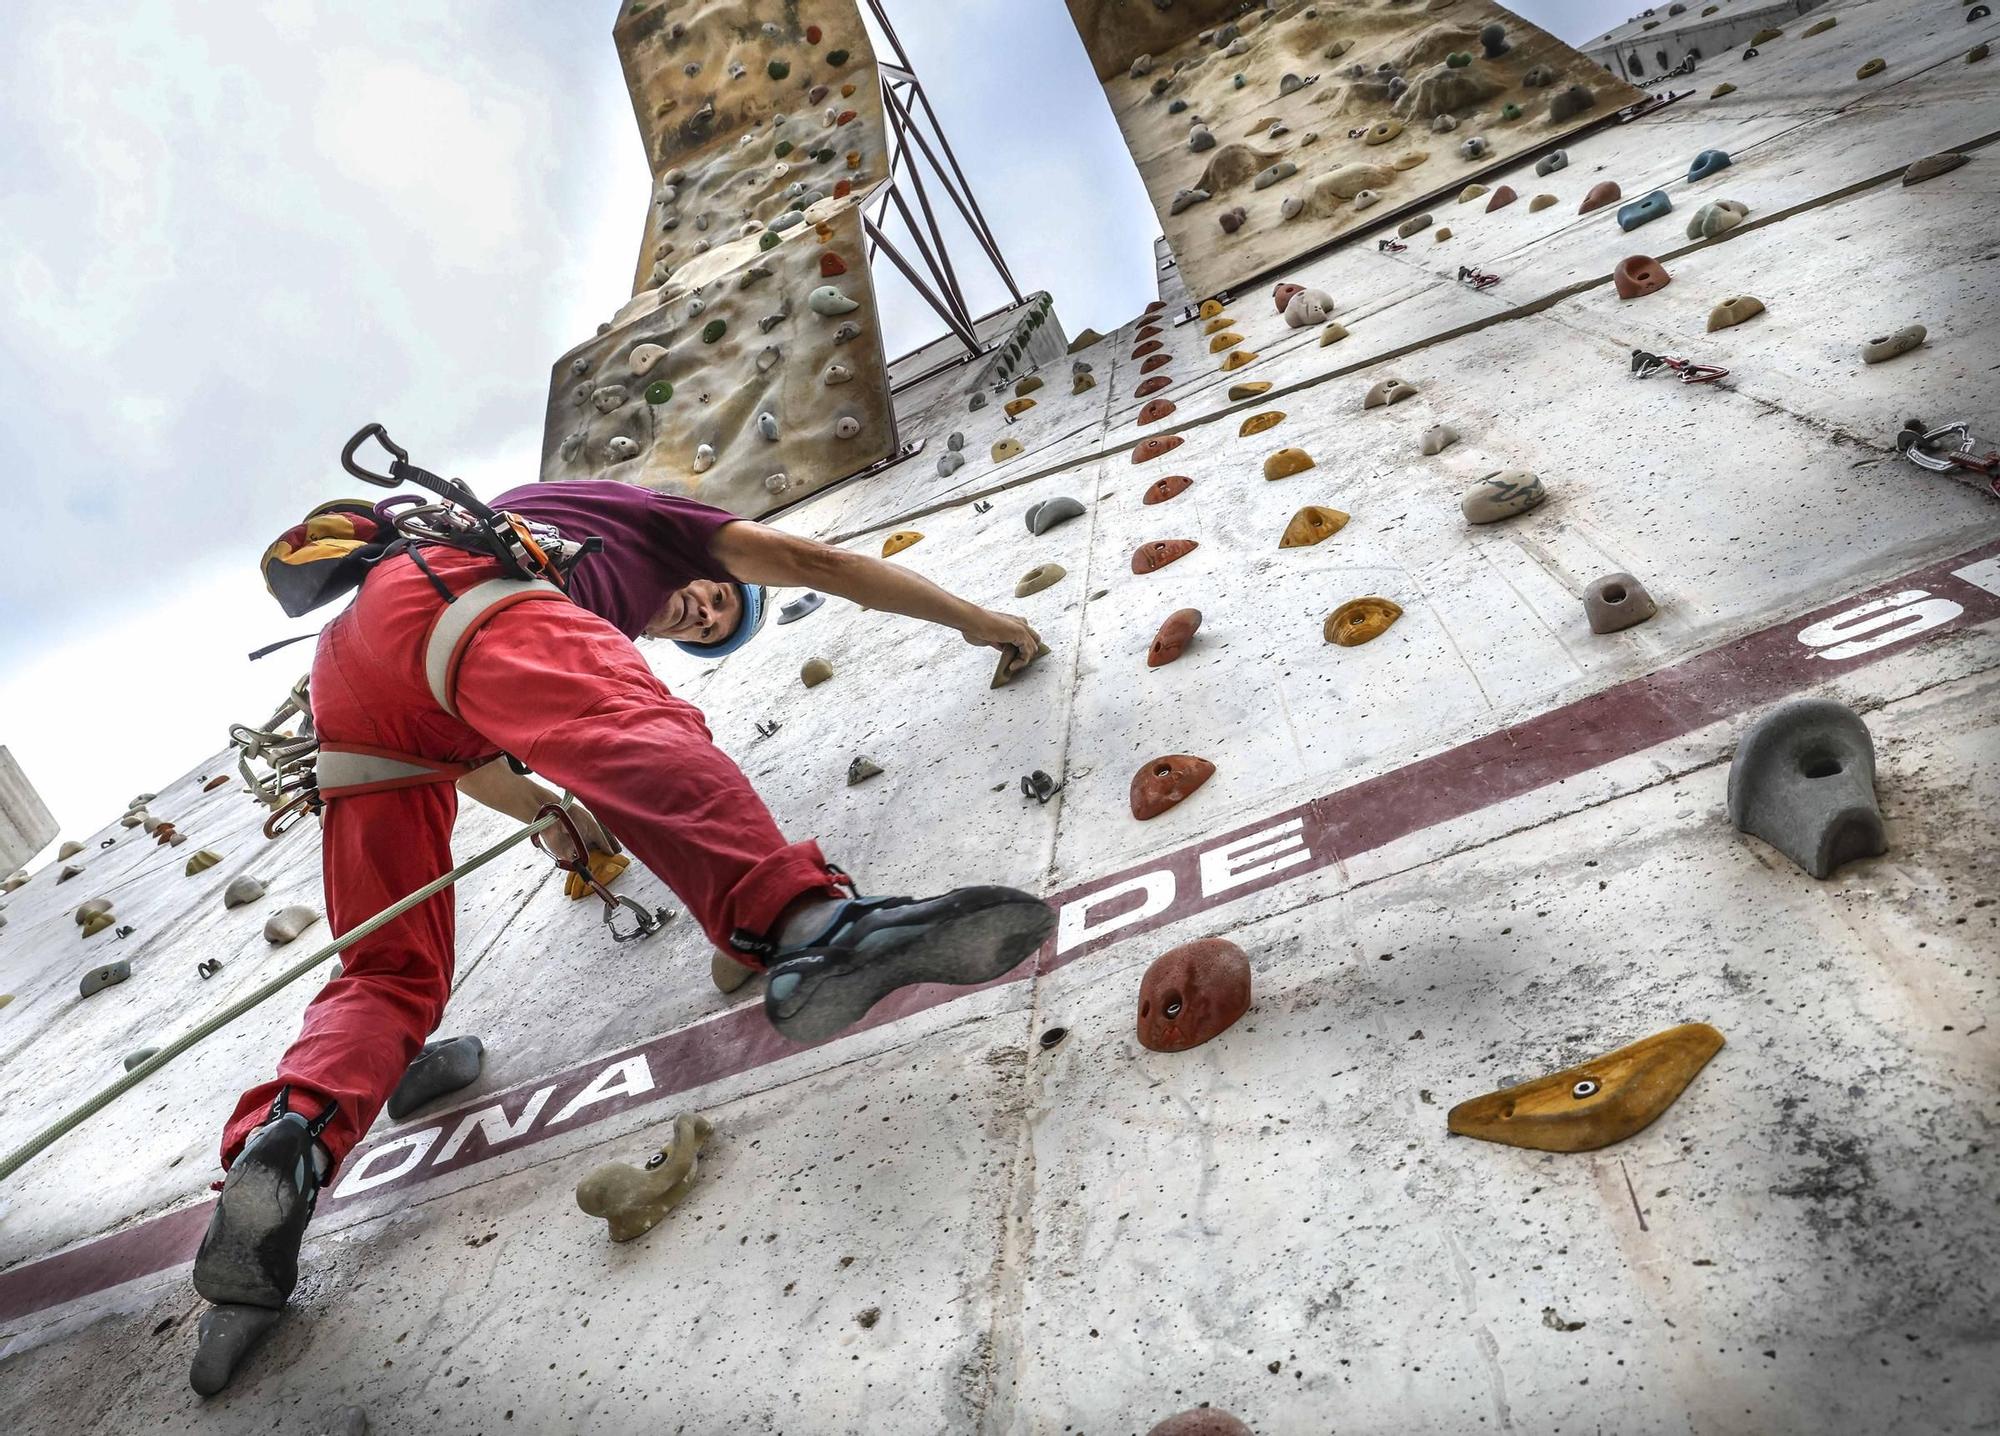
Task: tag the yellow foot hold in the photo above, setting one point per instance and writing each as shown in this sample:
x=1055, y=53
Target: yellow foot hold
x=727, y=973
x=634, y=1200
x=1596, y=1103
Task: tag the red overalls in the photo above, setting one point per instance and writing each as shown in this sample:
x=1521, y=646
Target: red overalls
x=567, y=694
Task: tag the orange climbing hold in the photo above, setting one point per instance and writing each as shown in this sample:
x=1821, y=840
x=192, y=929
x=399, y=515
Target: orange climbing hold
x=897, y=542
x=1155, y=410
x=1158, y=444
x=1286, y=462
x=1310, y=525
x=1173, y=485
x=1154, y=556
x=1360, y=619
x=1258, y=423
x=1174, y=637
x=1167, y=782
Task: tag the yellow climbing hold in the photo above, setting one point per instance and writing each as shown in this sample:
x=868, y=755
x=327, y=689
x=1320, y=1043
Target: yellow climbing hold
x=1725, y=88
x=1540, y=201
x=1765, y=36
x=1471, y=192
x=633, y=1200
x=1258, y=423
x=1250, y=390
x=96, y=923
x=1870, y=68
x=1238, y=360
x=1441, y=234
x=203, y=861
x=605, y=867
x=1360, y=619
x=1286, y=462
x=1733, y=311
x=1001, y=674
x=1332, y=334
x=1217, y=324
x=1820, y=28
x=1210, y=308
x=814, y=672
x=1017, y=407
x=1225, y=340
x=1311, y=525
x=1028, y=385
x=898, y=541
x=1410, y=161
x=1005, y=450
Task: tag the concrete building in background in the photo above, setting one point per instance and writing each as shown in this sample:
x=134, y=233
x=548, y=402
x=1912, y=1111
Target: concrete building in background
x=26, y=824
x=1655, y=43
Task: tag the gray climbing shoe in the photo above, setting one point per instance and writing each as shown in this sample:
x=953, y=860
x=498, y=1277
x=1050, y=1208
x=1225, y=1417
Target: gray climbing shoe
x=875, y=945
x=250, y=1253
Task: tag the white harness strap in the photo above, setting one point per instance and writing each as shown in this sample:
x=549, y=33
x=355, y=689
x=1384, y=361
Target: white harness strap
x=347, y=771
x=458, y=620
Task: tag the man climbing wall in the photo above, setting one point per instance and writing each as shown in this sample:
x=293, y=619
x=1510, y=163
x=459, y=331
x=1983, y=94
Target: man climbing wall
x=410, y=681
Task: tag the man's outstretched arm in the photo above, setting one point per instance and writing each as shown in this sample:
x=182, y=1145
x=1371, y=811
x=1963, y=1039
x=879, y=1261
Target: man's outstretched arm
x=754, y=553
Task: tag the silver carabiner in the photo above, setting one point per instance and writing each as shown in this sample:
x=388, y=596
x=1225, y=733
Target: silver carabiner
x=648, y=922
x=1916, y=443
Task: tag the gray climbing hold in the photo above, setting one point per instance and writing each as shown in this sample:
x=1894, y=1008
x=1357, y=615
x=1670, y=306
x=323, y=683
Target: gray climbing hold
x=837, y=374
x=608, y=397
x=1438, y=438
x=1889, y=346
x=227, y=1335
x=767, y=425
x=861, y=770
x=620, y=448
x=241, y=890
x=99, y=978
x=1539, y=77
x=1047, y=513
x=1549, y=163
x=956, y=441
x=1473, y=147
x=1187, y=199
x=1803, y=780
x=1387, y=391
x=69, y=850
x=1501, y=496
x=134, y=1059
x=18, y=879
x=286, y=924
x=444, y=1066
x=1200, y=138
x=949, y=463
x=1617, y=601
x=69, y=870
x=1931, y=166
x=830, y=301
x=1271, y=174
x=798, y=608
x=1493, y=39
x=846, y=426
x=1570, y=103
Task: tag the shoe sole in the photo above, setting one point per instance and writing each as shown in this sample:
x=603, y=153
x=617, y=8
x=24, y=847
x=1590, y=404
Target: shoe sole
x=229, y=1269
x=962, y=951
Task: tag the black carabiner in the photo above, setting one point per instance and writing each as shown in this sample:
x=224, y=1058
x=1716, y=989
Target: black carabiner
x=381, y=436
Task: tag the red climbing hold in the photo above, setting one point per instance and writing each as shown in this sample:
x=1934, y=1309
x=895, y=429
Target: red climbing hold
x=1501, y=198
x=1150, y=346
x=1154, y=556
x=812, y=34
x=1156, y=306
x=831, y=264
x=843, y=189
x=1156, y=410
x=1282, y=295
x=1149, y=331
x=846, y=116
x=1156, y=361
x=1162, y=783
x=1160, y=490
x=1174, y=637
x=1602, y=193
x=1154, y=447
x=1639, y=274
x=1193, y=993
x=1152, y=385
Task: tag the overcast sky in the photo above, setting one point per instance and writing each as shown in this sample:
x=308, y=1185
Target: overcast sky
x=232, y=232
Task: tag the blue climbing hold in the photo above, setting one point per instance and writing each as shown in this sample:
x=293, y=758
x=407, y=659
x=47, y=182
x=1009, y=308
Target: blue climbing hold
x=1631, y=216
x=1708, y=162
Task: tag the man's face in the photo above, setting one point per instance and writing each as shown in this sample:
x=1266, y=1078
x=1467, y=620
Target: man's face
x=703, y=612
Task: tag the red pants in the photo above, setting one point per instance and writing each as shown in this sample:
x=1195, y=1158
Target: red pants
x=567, y=694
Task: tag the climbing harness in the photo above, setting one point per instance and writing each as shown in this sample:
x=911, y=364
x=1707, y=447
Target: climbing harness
x=1928, y=449
x=1645, y=365
x=648, y=922
x=1477, y=278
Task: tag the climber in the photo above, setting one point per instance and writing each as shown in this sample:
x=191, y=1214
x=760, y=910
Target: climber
x=407, y=683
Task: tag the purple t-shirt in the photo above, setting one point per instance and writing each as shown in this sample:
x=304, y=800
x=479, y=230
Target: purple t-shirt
x=653, y=544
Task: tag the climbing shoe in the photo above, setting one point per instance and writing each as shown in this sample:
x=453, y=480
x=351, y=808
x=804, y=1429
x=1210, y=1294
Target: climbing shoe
x=875, y=945
x=250, y=1254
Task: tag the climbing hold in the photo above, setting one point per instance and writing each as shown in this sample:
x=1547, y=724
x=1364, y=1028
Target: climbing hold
x=1502, y=495
x=1287, y=462
x=1047, y=513
x=1174, y=637
x=1871, y=68
x=69, y=850
x=1639, y=274
x=1308, y=307
x=1310, y=525
x=1082, y=379
x=1473, y=147
x=860, y=770
x=1041, y=576
x=898, y=541
x=714, y=330
x=1332, y=334
x=1493, y=40
x=1438, y=438
x=1028, y=385
x=1004, y=671
x=1602, y=1101
x=97, y=922
x=1540, y=202
x=203, y=860
x=825, y=300
x=286, y=924
x=1510, y=111
x=1191, y=994
x=1250, y=390
x=1209, y=309
x=659, y=391
x=609, y=397
x=815, y=672
x=1006, y=449
x=1237, y=360
x=1363, y=199
x=1978, y=52
x=1157, y=361
x=1152, y=385
x=634, y=1200
x=133, y=1059
x=1570, y=103
x=605, y=868
x=1803, y=780
x=1291, y=207
x=1602, y=193
x=1163, y=783
x=96, y=907
x=1187, y=198
x=1145, y=347
x=1640, y=211
x=16, y=881
x=1617, y=601
x=1382, y=131
x=799, y=607
x=1444, y=124
x=99, y=978
x=1708, y=162
x=1151, y=448
x=644, y=356
x=1200, y=138
x=444, y=1066
x=241, y=890
x=1931, y=166
x=1224, y=341
x=1258, y=423
x=1549, y=163
x=1151, y=557
x=1201, y=1421
x=1016, y=407
x=1733, y=311
x=69, y=870
x=1716, y=218
x=1360, y=619
x=226, y=1336
x=1282, y=170
x=1387, y=391
x=1470, y=193
x=1291, y=82
x=1413, y=224
x=1441, y=234
x=704, y=458
x=1765, y=36
x=1218, y=324
x=1875, y=351
x=1154, y=410
x=1160, y=490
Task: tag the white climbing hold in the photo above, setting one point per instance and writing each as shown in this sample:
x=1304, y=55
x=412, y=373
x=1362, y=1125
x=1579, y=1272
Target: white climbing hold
x=829, y=301
x=621, y=448
x=286, y=924
x=846, y=426
x=704, y=458
x=241, y=890
x=645, y=356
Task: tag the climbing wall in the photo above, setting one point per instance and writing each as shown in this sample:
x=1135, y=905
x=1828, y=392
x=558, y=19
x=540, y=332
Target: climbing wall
x=1574, y=1088
x=747, y=369
x=1261, y=136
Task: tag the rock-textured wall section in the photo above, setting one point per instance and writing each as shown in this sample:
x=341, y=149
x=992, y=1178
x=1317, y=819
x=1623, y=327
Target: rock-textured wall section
x=750, y=110
x=1263, y=135
x=752, y=378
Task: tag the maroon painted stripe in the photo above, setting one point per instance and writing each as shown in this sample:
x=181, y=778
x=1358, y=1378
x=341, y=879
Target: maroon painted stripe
x=1560, y=744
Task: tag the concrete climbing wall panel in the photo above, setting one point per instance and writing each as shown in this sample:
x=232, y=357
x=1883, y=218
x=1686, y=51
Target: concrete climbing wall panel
x=753, y=377
x=1263, y=136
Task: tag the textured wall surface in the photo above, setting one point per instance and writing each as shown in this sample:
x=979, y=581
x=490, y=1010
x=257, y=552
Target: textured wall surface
x=26, y=825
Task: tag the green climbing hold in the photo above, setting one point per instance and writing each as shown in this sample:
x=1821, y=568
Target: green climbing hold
x=715, y=328
x=836, y=57
x=1458, y=59
x=770, y=241
x=1510, y=112
x=783, y=148
x=778, y=70
x=659, y=392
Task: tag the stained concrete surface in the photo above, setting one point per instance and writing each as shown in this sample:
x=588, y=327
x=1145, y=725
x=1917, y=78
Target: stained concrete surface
x=1091, y=1236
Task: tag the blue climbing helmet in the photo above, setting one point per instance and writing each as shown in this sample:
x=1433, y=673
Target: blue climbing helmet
x=752, y=603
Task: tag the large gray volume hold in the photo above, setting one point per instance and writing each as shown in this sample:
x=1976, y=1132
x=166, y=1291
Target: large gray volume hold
x=1803, y=780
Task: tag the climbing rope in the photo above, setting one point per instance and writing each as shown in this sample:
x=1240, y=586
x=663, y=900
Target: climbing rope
x=15, y=1160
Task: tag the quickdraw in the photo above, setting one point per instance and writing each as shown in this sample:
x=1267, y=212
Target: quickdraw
x=1645, y=365
x=288, y=787
x=648, y=923
x=1477, y=278
x=1930, y=449
x=1390, y=246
